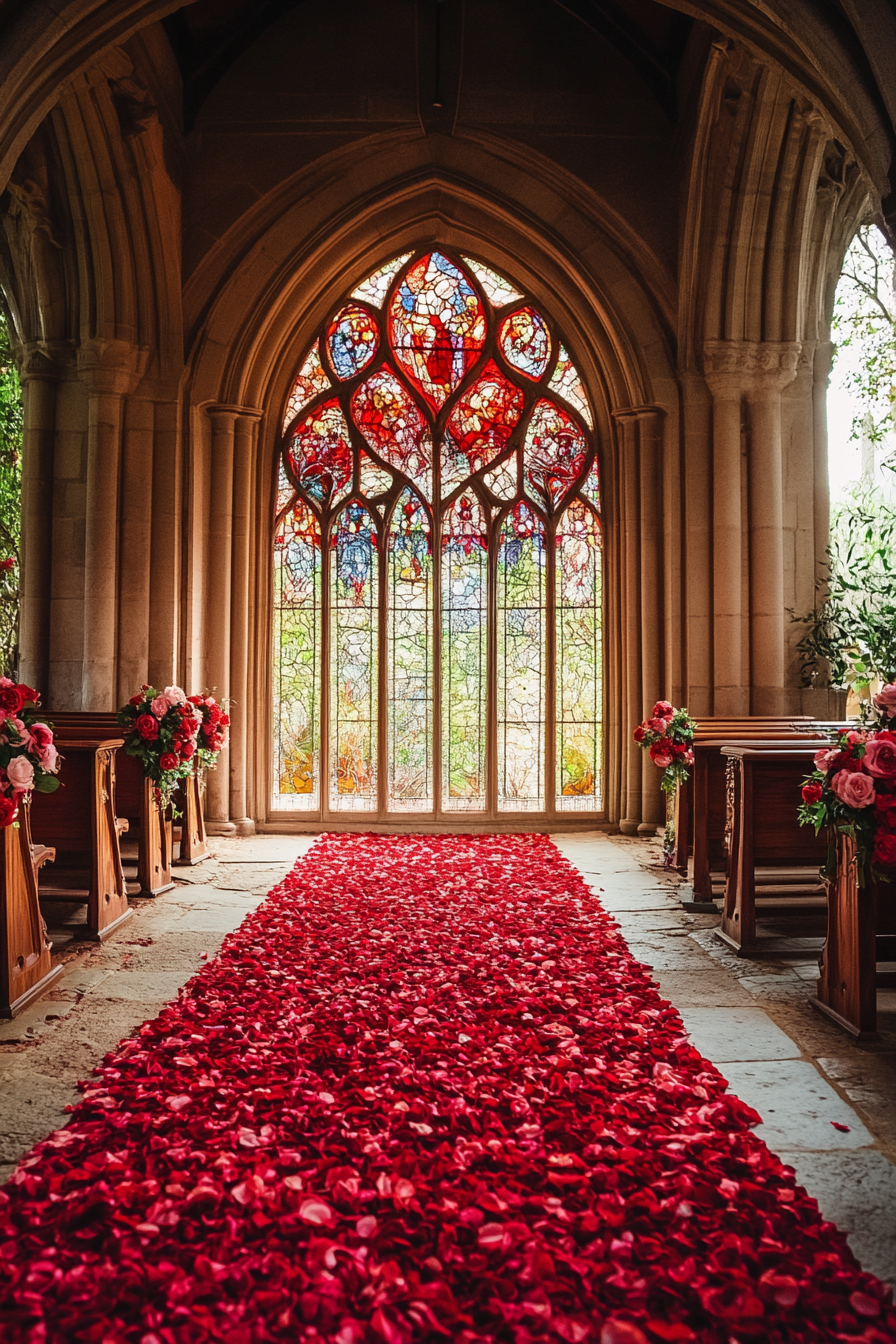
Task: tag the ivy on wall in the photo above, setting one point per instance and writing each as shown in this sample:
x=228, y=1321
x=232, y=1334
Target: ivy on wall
x=11, y=430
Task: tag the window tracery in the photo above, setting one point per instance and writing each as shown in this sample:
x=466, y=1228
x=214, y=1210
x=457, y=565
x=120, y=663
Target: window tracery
x=437, y=558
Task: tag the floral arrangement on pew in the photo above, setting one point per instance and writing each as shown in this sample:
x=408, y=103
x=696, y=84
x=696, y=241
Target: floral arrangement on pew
x=161, y=731
x=668, y=735
x=853, y=789
x=214, y=726
x=28, y=756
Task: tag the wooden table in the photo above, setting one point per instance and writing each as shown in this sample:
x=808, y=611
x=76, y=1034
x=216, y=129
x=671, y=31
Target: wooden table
x=79, y=821
x=763, y=797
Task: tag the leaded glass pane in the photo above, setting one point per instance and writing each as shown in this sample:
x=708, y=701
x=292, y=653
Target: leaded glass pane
x=579, y=689
x=495, y=286
x=565, y=381
x=410, y=679
x=464, y=657
x=354, y=626
x=521, y=662
x=296, y=685
x=436, y=326
x=310, y=380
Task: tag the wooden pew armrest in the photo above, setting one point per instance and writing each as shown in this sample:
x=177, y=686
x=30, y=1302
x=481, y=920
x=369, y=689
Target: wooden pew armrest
x=122, y=825
x=41, y=854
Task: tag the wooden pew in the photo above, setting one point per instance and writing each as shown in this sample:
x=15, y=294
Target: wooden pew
x=193, y=839
x=709, y=810
x=79, y=821
x=135, y=801
x=711, y=728
x=763, y=795
x=26, y=967
x=861, y=933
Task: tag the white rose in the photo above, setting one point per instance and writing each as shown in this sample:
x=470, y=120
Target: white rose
x=20, y=773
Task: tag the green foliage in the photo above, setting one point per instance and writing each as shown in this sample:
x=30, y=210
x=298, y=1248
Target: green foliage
x=864, y=327
x=854, y=628
x=11, y=431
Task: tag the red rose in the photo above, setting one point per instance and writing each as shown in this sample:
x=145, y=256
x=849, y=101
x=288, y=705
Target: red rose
x=639, y=733
x=11, y=699
x=8, y=810
x=28, y=693
x=214, y=714
x=7, y=565
x=224, y=720
x=186, y=750
x=663, y=710
x=136, y=699
x=812, y=791
x=194, y=699
x=885, y=803
x=168, y=761
x=148, y=727
x=885, y=849
x=661, y=753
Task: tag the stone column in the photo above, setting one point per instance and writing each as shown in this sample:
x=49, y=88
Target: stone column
x=697, y=542
x=134, y=550
x=724, y=366
x=240, y=607
x=110, y=370
x=218, y=600
x=641, y=429
x=630, y=558
x=39, y=372
x=824, y=358
x=776, y=364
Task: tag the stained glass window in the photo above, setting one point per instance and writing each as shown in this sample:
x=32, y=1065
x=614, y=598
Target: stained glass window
x=437, y=558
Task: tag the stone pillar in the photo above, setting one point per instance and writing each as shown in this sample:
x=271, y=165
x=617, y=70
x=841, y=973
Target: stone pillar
x=776, y=364
x=240, y=607
x=824, y=358
x=725, y=375
x=110, y=370
x=697, y=544
x=39, y=373
x=219, y=599
x=135, y=547
x=640, y=431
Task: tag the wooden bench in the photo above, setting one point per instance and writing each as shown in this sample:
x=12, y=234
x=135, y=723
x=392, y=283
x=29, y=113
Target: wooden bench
x=861, y=934
x=79, y=821
x=709, y=797
x=774, y=863
x=192, y=835
x=26, y=968
x=150, y=833
x=725, y=728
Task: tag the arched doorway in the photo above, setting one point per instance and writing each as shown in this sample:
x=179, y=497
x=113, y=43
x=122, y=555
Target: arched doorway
x=437, y=559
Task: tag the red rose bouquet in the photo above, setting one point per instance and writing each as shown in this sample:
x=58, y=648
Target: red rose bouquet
x=28, y=757
x=214, y=725
x=161, y=728
x=668, y=735
x=853, y=788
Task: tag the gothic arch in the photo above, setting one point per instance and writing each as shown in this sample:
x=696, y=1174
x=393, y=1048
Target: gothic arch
x=579, y=263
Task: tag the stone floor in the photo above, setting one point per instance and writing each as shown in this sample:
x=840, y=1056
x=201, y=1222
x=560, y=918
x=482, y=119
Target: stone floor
x=751, y=1018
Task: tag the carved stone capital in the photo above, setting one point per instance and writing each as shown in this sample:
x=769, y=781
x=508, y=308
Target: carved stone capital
x=111, y=367
x=735, y=368
x=42, y=360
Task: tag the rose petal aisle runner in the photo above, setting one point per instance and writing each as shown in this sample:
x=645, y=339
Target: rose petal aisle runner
x=424, y=1093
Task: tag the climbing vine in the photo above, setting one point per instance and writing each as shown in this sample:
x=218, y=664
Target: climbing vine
x=11, y=429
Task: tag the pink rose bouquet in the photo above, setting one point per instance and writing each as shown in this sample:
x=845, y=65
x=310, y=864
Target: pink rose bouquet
x=668, y=737
x=161, y=730
x=853, y=789
x=28, y=756
x=214, y=727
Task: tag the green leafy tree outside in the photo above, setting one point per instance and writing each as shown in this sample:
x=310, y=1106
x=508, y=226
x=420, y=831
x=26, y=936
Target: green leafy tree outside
x=850, y=636
x=11, y=432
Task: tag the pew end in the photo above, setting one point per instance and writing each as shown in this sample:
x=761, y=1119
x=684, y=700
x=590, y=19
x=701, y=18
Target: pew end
x=26, y=967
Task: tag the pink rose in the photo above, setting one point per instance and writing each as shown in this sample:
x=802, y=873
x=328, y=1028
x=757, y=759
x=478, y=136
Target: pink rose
x=160, y=706
x=880, y=758
x=20, y=773
x=886, y=699
x=853, y=789
x=41, y=736
x=175, y=696
x=658, y=726
x=823, y=759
